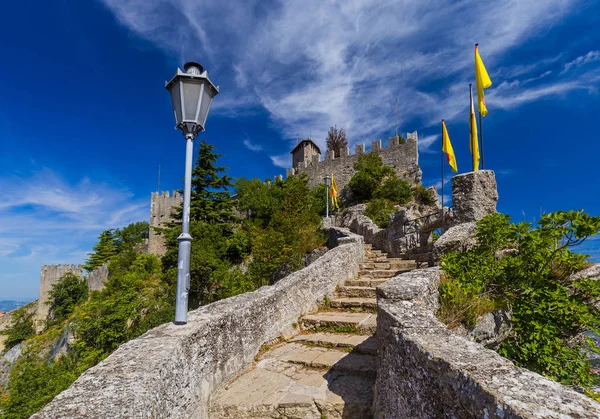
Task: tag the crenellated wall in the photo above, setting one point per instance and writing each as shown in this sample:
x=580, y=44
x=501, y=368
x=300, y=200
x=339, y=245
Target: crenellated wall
x=50, y=275
x=162, y=207
x=404, y=158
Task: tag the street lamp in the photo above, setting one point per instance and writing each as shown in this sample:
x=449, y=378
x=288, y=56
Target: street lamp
x=192, y=94
x=327, y=186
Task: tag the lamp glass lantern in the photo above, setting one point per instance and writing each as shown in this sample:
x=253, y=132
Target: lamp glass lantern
x=192, y=93
x=328, y=181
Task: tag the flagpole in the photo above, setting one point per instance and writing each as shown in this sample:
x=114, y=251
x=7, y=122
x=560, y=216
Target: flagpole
x=443, y=176
x=472, y=146
x=481, y=141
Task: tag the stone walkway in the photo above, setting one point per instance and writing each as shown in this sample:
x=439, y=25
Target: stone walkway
x=328, y=370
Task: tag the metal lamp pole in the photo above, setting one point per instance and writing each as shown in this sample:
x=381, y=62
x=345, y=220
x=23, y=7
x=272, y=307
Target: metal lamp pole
x=192, y=94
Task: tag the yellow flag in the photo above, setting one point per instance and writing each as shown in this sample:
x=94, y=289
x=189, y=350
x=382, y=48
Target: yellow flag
x=447, y=148
x=473, y=143
x=334, y=194
x=482, y=80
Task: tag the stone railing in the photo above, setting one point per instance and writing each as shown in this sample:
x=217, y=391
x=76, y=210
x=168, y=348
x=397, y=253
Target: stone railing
x=171, y=371
x=426, y=371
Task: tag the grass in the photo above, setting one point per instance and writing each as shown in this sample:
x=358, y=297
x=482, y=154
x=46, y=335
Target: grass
x=339, y=328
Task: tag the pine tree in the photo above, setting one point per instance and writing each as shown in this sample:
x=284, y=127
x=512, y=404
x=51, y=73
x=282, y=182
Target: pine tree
x=210, y=198
x=104, y=249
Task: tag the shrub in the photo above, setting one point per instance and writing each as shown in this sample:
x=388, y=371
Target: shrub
x=423, y=195
x=379, y=210
x=550, y=309
x=370, y=171
x=21, y=328
x=67, y=293
x=395, y=190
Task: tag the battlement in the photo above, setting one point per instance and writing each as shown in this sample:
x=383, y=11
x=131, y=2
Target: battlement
x=62, y=267
x=166, y=194
x=404, y=158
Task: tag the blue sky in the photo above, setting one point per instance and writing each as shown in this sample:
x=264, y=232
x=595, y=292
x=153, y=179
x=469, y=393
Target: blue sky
x=85, y=119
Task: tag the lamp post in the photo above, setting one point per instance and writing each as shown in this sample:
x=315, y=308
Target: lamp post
x=192, y=94
x=327, y=186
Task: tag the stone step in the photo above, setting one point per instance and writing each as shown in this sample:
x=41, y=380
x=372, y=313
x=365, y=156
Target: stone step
x=376, y=258
x=341, y=322
x=344, y=302
x=358, y=343
x=332, y=360
x=398, y=265
x=358, y=292
x=276, y=390
x=380, y=273
x=366, y=282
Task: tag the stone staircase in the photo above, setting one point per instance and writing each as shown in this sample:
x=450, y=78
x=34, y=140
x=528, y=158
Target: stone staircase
x=326, y=371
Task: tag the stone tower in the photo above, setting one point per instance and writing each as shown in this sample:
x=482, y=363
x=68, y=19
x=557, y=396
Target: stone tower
x=49, y=276
x=162, y=207
x=305, y=153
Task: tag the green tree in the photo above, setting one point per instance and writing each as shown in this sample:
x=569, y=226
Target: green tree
x=529, y=270
x=394, y=190
x=103, y=250
x=65, y=295
x=133, y=301
x=21, y=328
x=210, y=199
x=34, y=382
x=379, y=210
x=370, y=172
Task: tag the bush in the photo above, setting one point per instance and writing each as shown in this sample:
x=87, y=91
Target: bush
x=21, y=328
x=395, y=190
x=370, y=172
x=423, y=195
x=67, y=293
x=550, y=310
x=379, y=210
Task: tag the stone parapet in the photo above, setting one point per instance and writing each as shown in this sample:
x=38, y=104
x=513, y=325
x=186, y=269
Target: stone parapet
x=474, y=195
x=426, y=371
x=171, y=371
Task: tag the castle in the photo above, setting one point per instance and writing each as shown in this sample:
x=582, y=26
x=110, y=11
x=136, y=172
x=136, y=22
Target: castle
x=403, y=158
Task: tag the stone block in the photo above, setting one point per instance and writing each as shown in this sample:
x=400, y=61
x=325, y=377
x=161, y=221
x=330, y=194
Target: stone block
x=359, y=149
x=474, y=195
x=376, y=145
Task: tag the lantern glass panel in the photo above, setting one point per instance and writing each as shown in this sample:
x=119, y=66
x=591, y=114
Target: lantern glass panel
x=176, y=101
x=207, y=98
x=191, y=93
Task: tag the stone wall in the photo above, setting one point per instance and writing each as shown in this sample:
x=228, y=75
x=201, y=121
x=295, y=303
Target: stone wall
x=171, y=371
x=49, y=276
x=162, y=207
x=404, y=158
x=426, y=371
x=97, y=278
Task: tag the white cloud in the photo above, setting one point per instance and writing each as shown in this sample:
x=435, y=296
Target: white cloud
x=426, y=143
x=46, y=219
x=282, y=160
x=250, y=146
x=582, y=60
x=313, y=64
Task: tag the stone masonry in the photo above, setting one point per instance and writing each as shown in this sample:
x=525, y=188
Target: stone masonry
x=49, y=276
x=474, y=195
x=162, y=207
x=404, y=158
x=171, y=371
